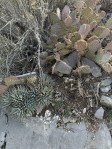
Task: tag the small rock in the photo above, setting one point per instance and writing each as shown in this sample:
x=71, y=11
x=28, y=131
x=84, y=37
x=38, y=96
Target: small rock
x=99, y=113
x=96, y=70
x=62, y=68
x=106, y=101
x=47, y=117
x=105, y=89
x=72, y=59
x=106, y=82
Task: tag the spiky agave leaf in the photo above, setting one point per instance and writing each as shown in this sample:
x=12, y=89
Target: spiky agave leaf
x=21, y=99
x=46, y=86
x=46, y=80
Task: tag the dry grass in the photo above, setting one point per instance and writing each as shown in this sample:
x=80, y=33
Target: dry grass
x=20, y=34
x=22, y=28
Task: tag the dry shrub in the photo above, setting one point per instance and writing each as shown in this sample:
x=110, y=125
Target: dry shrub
x=22, y=25
x=20, y=34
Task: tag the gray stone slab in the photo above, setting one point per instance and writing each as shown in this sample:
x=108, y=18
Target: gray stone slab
x=96, y=70
x=103, y=138
x=36, y=133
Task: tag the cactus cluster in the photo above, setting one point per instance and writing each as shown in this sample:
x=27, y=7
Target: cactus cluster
x=22, y=99
x=45, y=89
x=82, y=30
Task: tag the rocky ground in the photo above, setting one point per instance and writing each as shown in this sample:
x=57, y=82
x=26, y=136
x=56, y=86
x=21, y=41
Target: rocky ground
x=82, y=114
x=42, y=133
x=74, y=49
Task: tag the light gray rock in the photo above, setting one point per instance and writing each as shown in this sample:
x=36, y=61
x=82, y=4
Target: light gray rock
x=103, y=138
x=100, y=140
x=65, y=66
x=99, y=113
x=42, y=133
x=39, y=135
x=106, y=101
x=106, y=82
x=71, y=59
x=62, y=67
x=105, y=89
x=96, y=70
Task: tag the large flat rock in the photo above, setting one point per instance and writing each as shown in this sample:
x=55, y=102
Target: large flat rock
x=37, y=134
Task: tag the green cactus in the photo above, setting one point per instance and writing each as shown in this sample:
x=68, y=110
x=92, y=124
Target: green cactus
x=21, y=100
x=81, y=46
x=94, y=46
x=98, y=31
x=88, y=15
x=75, y=37
x=109, y=23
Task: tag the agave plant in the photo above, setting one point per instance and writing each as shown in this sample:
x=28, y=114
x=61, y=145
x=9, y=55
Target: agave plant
x=45, y=89
x=21, y=100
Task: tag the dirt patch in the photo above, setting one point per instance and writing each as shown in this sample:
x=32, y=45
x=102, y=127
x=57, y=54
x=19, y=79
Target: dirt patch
x=76, y=99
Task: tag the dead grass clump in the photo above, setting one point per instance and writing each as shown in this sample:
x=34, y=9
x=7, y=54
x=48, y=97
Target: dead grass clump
x=20, y=34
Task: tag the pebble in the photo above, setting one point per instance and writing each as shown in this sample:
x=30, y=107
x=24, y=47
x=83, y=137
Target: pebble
x=106, y=82
x=99, y=113
x=62, y=67
x=105, y=89
x=106, y=101
x=71, y=59
x=96, y=70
